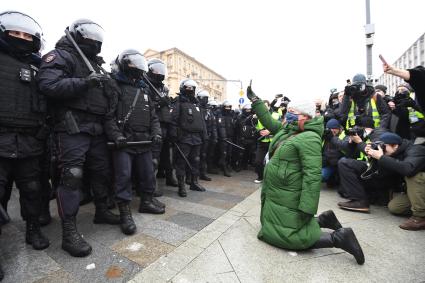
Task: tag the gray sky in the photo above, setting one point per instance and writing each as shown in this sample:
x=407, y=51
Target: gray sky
x=300, y=48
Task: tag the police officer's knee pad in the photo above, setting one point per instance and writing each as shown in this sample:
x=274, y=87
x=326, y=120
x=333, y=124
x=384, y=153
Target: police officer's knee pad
x=155, y=164
x=30, y=188
x=197, y=158
x=72, y=178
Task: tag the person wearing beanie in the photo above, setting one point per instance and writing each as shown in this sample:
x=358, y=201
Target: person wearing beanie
x=406, y=159
x=332, y=151
x=291, y=187
x=359, y=100
x=381, y=90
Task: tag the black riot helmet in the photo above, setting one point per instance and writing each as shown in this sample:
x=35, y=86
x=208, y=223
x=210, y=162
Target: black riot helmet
x=88, y=35
x=157, y=71
x=188, y=87
x=132, y=63
x=203, y=97
x=17, y=21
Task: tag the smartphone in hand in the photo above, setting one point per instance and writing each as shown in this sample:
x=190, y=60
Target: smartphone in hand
x=383, y=60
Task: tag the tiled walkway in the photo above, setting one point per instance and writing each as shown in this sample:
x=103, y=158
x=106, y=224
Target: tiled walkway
x=211, y=237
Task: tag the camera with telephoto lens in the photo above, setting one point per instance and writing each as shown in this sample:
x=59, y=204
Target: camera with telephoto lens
x=378, y=144
x=356, y=130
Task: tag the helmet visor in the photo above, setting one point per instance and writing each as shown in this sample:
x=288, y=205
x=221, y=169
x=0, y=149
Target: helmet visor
x=190, y=85
x=137, y=61
x=20, y=22
x=90, y=31
x=158, y=69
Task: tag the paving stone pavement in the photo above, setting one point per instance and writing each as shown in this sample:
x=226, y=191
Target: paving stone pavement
x=117, y=257
x=212, y=237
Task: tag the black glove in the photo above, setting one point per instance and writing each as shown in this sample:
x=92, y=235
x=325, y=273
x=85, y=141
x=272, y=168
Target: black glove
x=120, y=142
x=251, y=95
x=157, y=139
x=95, y=79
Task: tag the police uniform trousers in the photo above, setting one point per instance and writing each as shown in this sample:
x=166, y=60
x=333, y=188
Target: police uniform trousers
x=77, y=153
x=225, y=153
x=192, y=154
x=260, y=153
x=162, y=151
x=26, y=174
x=127, y=165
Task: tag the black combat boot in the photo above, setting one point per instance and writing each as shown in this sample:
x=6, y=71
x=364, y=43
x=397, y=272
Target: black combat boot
x=34, y=236
x=195, y=186
x=45, y=217
x=182, y=186
x=170, y=180
x=226, y=171
x=188, y=178
x=212, y=169
x=203, y=176
x=103, y=216
x=344, y=239
x=1, y=273
x=148, y=206
x=157, y=202
x=328, y=220
x=127, y=225
x=72, y=241
x=158, y=191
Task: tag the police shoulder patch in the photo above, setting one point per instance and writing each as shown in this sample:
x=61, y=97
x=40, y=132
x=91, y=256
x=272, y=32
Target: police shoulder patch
x=49, y=57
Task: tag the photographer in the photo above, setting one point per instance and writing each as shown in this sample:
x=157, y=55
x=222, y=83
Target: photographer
x=406, y=159
x=354, y=164
x=334, y=139
x=332, y=109
x=407, y=120
x=359, y=101
x=415, y=77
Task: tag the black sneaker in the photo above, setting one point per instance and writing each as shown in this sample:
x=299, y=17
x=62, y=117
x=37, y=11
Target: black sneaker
x=355, y=205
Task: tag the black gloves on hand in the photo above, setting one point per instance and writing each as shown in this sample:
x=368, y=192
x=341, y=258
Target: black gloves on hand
x=95, y=79
x=251, y=95
x=120, y=142
x=156, y=139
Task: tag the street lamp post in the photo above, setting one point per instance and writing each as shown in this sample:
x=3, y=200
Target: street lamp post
x=369, y=32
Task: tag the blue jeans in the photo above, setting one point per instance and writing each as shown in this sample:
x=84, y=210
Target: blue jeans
x=327, y=173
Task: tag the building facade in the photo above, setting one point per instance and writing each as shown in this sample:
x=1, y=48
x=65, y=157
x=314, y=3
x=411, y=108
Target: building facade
x=414, y=56
x=181, y=66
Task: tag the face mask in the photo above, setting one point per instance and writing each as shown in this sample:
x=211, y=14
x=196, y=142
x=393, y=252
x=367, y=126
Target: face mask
x=335, y=101
x=290, y=117
x=90, y=50
x=203, y=100
x=134, y=73
x=20, y=45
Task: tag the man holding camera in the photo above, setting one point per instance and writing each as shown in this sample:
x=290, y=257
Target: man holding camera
x=359, y=101
x=332, y=151
x=355, y=163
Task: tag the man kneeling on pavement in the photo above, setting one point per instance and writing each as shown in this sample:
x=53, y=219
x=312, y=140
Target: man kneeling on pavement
x=392, y=158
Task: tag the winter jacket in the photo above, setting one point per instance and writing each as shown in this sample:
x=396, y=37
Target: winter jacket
x=417, y=81
x=408, y=160
x=292, y=181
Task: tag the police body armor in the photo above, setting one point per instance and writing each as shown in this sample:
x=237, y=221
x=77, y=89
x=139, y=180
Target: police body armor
x=21, y=106
x=140, y=119
x=229, y=124
x=248, y=130
x=221, y=126
x=93, y=100
x=190, y=118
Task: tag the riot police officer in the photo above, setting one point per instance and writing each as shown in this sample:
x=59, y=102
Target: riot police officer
x=246, y=136
x=159, y=94
x=133, y=120
x=211, y=126
x=226, y=132
x=22, y=118
x=189, y=131
x=80, y=100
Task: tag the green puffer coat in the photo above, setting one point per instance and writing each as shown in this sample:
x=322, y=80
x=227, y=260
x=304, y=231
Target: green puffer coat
x=292, y=181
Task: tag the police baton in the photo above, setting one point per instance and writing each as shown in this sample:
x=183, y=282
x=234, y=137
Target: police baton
x=86, y=61
x=129, y=144
x=184, y=157
x=235, y=145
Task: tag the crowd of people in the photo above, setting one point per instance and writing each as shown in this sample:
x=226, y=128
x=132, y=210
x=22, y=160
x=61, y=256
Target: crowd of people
x=72, y=131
